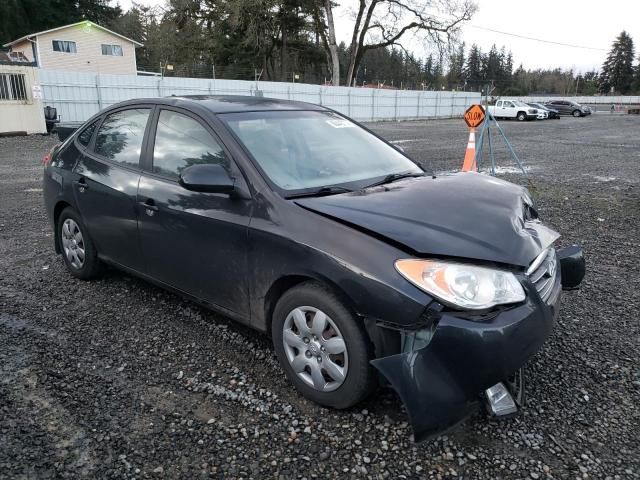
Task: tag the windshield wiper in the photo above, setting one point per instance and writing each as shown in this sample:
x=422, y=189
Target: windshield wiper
x=396, y=176
x=327, y=190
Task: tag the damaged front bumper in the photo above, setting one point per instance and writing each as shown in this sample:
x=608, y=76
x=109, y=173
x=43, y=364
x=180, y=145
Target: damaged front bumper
x=442, y=369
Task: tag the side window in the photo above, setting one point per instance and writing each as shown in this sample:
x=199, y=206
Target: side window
x=509, y=104
x=85, y=136
x=115, y=50
x=120, y=136
x=181, y=142
x=63, y=46
x=499, y=103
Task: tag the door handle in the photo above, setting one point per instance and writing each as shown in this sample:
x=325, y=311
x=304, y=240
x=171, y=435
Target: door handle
x=149, y=206
x=81, y=184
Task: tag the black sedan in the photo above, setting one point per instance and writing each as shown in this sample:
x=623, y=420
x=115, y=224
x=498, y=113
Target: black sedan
x=551, y=113
x=297, y=221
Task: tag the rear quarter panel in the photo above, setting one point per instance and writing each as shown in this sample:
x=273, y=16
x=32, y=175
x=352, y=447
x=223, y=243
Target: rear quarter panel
x=57, y=181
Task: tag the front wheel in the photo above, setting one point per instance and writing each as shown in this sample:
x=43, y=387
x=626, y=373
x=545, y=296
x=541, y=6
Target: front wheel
x=521, y=116
x=576, y=113
x=322, y=349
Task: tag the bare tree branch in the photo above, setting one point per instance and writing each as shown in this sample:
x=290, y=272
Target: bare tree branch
x=386, y=22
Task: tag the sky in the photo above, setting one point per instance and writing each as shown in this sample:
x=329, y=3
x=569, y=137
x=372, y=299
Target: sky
x=581, y=23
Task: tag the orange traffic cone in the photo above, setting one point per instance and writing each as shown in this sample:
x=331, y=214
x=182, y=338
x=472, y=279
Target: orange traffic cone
x=469, y=164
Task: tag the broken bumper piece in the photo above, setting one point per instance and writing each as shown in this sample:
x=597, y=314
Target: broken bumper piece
x=443, y=370
x=440, y=383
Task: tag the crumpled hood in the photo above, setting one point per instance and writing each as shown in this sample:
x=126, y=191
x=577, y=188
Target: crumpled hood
x=466, y=215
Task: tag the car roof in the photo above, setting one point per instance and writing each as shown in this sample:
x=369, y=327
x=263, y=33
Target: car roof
x=224, y=103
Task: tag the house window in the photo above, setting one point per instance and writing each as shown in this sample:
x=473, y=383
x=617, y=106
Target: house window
x=115, y=50
x=12, y=86
x=64, y=46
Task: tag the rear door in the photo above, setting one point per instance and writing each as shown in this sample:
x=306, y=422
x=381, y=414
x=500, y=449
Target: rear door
x=193, y=241
x=106, y=185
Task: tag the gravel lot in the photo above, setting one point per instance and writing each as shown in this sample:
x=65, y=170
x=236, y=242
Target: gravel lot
x=118, y=379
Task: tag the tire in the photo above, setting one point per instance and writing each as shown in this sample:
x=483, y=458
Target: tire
x=576, y=113
x=521, y=116
x=306, y=359
x=78, y=251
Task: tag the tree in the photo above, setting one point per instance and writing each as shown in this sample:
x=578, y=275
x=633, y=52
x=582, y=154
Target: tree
x=636, y=82
x=588, y=83
x=383, y=23
x=18, y=18
x=456, y=66
x=617, y=70
x=472, y=71
x=323, y=17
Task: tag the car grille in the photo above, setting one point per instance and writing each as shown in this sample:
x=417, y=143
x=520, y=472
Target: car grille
x=543, y=273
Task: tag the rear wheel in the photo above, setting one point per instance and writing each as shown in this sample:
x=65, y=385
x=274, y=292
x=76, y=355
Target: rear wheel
x=521, y=116
x=576, y=113
x=78, y=252
x=322, y=349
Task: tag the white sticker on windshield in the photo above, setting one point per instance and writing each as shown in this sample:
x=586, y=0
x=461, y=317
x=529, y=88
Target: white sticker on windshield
x=340, y=123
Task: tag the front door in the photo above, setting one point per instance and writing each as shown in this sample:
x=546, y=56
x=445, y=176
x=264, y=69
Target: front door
x=193, y=241
x=509, y=109
x=106, y=185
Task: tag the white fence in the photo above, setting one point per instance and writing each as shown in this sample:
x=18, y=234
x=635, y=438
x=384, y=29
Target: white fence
x=78, y=95
x=592, y=100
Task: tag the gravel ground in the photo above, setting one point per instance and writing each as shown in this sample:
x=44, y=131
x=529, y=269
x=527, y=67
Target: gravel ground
x=118, y=379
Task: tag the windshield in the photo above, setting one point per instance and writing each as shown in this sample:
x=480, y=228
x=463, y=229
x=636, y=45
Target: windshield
x=301, y=150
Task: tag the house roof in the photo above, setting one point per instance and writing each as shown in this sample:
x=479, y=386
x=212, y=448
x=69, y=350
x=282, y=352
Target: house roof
x=84, y=22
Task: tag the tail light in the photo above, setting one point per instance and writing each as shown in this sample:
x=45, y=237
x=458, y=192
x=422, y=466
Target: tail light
x=46, y=160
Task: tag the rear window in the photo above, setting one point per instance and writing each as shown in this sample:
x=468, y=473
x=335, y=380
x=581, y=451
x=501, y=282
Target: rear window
x=85, y=136
x=120, y=136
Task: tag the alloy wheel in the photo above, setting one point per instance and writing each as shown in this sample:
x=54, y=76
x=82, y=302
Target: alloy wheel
x=315, y=348
x=73, y=243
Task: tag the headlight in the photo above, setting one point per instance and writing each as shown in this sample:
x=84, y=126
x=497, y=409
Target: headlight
x=463, y=286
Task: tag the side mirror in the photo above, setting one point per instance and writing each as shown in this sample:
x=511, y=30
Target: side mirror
x=210, y=178
x=572, y=265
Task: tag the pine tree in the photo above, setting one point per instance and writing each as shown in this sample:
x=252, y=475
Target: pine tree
x=617, y=70
x=456, y=65
x=491, y=65
x=17, y=17
x=473, y=68
x=636, y=82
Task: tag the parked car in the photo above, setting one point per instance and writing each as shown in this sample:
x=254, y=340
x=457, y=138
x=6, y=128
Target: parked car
x=551, y=113
x=295, y=220
x=505, y=108
x=542, y=114
x=567, y=107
